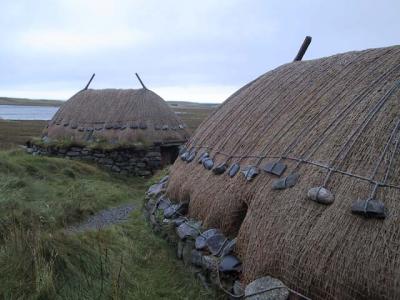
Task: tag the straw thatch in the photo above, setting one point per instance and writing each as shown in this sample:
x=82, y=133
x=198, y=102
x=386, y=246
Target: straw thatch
x=340, y=112
x=117, y=116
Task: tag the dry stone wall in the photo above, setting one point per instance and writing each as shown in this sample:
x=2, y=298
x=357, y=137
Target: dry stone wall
x=207, y=252
x=140, y=162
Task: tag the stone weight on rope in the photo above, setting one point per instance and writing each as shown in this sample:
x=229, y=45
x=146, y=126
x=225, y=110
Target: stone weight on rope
x=191, y=156
x=233, y=170
x=228, y=248
x=216, y=243
x=321, y=195
x=266, y=288
x=184, y=156
x=188, y=229
x=176, y=210
x=275, y=168
x=286, y=182
x=201, y=239
x=250, y=172
x=208, y=163
x=202, y=157
x=163, y=202
x=369, y=208
x=230, y=263
x=182, y=149
x=220, y=169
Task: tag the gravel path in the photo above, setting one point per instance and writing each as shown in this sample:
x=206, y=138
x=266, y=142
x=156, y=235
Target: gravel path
x=103, y=219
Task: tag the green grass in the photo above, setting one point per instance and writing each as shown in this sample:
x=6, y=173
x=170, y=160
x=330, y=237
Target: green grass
x=13, y=133
x=39, y=197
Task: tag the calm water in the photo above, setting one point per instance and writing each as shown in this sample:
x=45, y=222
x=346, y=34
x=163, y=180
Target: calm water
x=17, y=112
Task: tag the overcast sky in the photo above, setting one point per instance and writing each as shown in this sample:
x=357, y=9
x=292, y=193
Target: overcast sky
x=183, y=50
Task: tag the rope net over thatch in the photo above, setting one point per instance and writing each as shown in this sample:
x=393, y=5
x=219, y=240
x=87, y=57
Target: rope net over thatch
x=317, y=197
x=117, y=116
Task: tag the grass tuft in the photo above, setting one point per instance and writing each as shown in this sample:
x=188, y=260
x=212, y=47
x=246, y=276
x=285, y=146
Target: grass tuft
x=39, y=259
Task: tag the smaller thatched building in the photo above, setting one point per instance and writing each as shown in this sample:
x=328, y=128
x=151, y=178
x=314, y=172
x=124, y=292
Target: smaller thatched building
x=128, y=130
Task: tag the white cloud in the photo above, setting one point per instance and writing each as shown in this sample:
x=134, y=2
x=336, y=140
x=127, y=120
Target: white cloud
x=196, y=93
x=79, y=42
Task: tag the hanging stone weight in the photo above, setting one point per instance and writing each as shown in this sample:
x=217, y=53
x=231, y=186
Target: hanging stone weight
x=275, y=168
x=185, y=156
x=233, y=170
x=220, y=169
x=215, y=243
x=176, y=210
x=202, y=157
x=191, y=156
x=182, y=149
x=163, y=202
x=250, y=172
x=230, y=263
x=286, y=182
x=229, y=247
x=369, y=208
x=321, y=195
x=201, y=239
x=208, y=163
x=188, y=229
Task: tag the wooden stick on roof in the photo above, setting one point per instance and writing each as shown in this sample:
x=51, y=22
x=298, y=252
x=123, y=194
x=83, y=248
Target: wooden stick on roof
x=303, y=48
x=140, y=80
x=91, y=78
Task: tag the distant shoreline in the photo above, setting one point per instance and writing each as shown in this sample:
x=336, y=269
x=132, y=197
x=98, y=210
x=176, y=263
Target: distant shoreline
x=30, y=102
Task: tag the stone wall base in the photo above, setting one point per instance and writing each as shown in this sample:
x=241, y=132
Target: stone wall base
x=207, y=252
x=128, y=161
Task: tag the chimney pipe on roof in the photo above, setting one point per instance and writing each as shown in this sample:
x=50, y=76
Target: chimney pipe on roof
x=303, y=49
x=91, y=78
x=140, y=80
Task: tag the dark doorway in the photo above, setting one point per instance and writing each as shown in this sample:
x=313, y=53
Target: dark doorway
x=169, y=155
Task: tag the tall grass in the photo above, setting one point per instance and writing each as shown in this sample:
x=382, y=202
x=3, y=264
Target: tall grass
x=39, y=197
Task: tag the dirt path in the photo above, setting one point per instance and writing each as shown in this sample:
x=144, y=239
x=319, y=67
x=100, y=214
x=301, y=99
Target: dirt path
x=103, y=219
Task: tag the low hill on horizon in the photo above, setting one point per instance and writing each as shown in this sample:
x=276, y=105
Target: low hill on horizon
x=56, y=103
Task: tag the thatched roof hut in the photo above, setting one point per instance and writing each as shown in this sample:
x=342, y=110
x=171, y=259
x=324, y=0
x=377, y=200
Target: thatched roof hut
x=117, y=116
x=318, y=200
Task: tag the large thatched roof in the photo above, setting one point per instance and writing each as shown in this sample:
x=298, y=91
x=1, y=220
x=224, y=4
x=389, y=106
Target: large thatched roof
x=334, y=122
x=117, y=116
